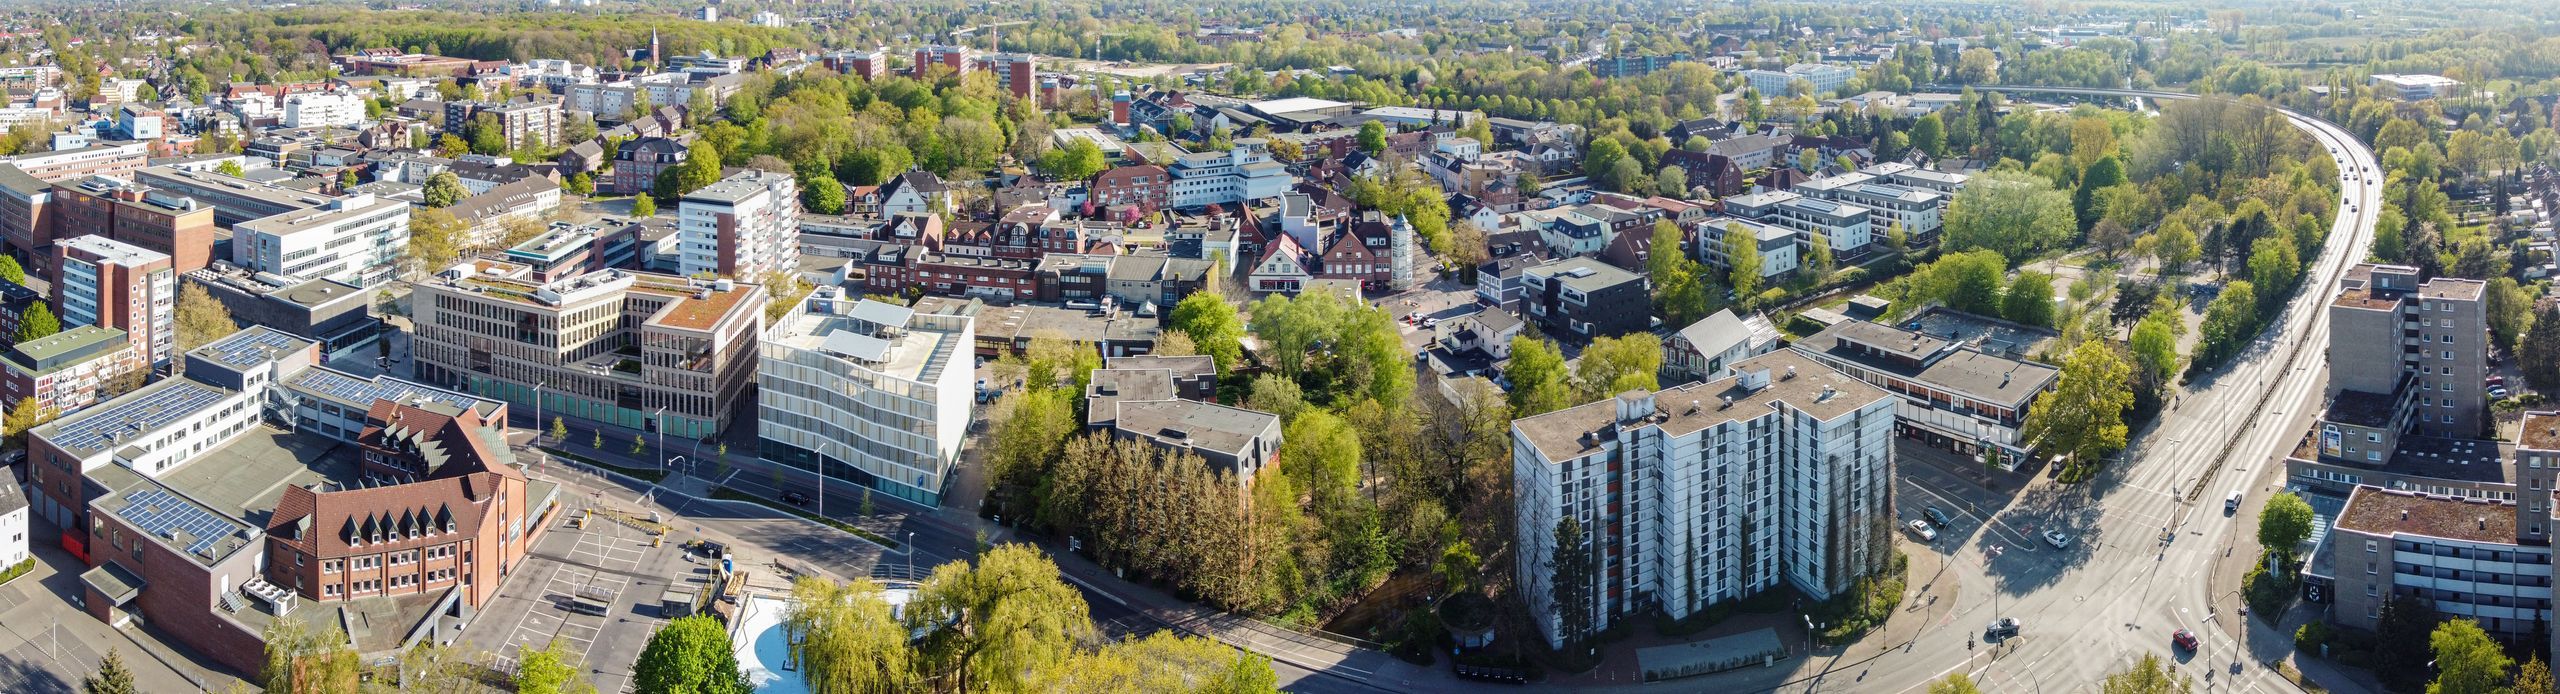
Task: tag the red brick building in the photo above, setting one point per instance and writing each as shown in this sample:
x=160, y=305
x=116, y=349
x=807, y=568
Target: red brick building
x=1144, y=185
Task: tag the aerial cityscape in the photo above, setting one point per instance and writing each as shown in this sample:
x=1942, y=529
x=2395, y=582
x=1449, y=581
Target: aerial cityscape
x=792, y=347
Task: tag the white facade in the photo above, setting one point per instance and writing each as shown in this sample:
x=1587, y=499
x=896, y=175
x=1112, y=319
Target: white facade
x=741, y=227
x=1777, y=245
x=13, y=524
x=356, y=239
x=1775, y=83
x=320, y=110
x=1214, y=178
x=874, y=394
x=1708, y=492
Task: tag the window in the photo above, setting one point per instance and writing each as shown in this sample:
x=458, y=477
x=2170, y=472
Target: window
x=2371, y=547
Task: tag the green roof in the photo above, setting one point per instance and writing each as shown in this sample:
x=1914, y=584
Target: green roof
x=53, y=352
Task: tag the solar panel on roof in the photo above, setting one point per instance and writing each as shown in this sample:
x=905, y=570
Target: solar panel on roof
x=136, y=416
x=249, y=345
x=157, y=512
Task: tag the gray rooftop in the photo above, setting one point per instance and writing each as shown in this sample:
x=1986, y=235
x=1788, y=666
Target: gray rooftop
x=1110, y=387
x=1815, y=390
x=1585, y=274
x=1201, y=425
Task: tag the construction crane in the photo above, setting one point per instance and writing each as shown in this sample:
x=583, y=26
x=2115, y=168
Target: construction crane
x=995, y=39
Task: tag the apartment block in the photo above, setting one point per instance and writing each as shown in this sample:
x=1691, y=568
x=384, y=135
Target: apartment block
x=357, y=239
x=1581, y=298
x=871, y=64
x=1848, y=228
x=322, y=110
x=1016, y=73
x=111, y=284
x=1777, y=244
x=1705, y=493
x=534, y=120
x=2431, y=337
x=744, y=226
x=866, y=393
x=631, y=349
x=2459, y=556
x=1919, y=211
x=955, y=57
x=68, y=370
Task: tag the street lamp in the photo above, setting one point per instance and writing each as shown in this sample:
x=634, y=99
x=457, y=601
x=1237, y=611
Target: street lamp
x=661, y=419
x=537, y=409
x=911, y=555
x=675, y=462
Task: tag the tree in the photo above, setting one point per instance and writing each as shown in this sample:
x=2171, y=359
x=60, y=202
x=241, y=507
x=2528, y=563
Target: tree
x=2510, y=310
x=1679, y=291
x=1537, y=377
x=301, y=659
x=2539, y=353
x=1818, y=259
x=111, y=678
x=559, y=429
x=2029, y=300
x=2148, y=676
x=551, y=670
x=1570, y=582
x=38, y=322
x=1929, y=135
x=1601, y=160
x=2285, y=523
x=2085, y=200
x=2231, y=320
x=580, y=183
x=2154, y=345
x=690, y=655
x=2084, y=414
x=436, y=238
x=1742, y=254
x=577, y=127
x=2016, y=214
x=1079, y=160
x=1373, y=138
x=230, y=167
x=1967, y=281
x=1672, y=181
x=1161, y=662
x=2110, y=238
x=1213, y=326
x=1957, y=683
x=1613, y=365
x=2467, y=661
x=2402, y=637
x=701, y=167
x=11, y=271
x=2273, y=267
x=1011, y=616
x=2534, y=677
x=820, y=192
x=1323, y=456
x=2174, y=245
x=27, y=414
x=201, y=319
x=443, y=190
x=643, y=206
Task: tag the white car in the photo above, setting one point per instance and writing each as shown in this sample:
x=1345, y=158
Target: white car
x=2057, y=538
x=1924, y=530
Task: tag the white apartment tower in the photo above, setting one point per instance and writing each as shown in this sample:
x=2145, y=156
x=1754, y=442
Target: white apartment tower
x=742, y=227
x=1708, y=492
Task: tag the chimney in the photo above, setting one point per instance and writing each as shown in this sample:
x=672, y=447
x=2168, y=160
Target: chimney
x=2483, y=521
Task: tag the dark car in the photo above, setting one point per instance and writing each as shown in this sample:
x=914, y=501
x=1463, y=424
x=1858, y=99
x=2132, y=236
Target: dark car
x=2184, y=639
x=711, y=549
x=2004, y=628
x=1935, y=516
x=794, y=498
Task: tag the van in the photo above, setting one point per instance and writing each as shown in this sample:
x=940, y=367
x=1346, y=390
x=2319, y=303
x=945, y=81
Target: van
x=2232, y=503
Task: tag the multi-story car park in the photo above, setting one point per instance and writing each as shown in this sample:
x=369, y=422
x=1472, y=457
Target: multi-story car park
x=868, y=393
x=1708, y=492
x=631, y=349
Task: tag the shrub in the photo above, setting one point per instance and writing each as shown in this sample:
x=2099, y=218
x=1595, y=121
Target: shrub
x=2311, y=637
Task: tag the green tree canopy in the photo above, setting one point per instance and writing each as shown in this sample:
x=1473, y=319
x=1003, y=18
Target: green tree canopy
x=2285, y=523
x=2029, y=300
x=1215, y=328
x=2016, y=214
x=690, y=655
x=2467, y=661
x=37, y=322
x=2084, y=414
x=443, y=189
x=1537, y=376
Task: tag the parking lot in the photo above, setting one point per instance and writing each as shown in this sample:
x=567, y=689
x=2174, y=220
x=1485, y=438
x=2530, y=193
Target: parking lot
x=605, y=559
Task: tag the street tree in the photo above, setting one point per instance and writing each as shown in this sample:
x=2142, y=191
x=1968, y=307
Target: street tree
x=2147, y=676
x=1009, y=617
x=690, y=655
x=1956, y=683
x=846, y=639
x=436, y=238
x=2083, y=416
x=27, y=414
x=550, y=670
x=2285, y=523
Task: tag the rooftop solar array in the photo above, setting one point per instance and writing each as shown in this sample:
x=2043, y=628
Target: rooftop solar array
x=154, y=409
x=251, y=346
x=158, y=512
x=363, y=392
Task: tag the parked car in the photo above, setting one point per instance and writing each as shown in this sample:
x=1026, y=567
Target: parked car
x=2183, y=639
x=2499, y=392
x=2002, y=628
x=2057, y=538
x=1935, y=516
x=1922, y=529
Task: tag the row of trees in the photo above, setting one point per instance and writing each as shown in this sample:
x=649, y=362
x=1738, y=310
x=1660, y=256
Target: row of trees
x=1002, y=622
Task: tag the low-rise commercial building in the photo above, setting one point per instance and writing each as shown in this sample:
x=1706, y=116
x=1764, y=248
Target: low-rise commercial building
x=71, y=369
x=1952, y=394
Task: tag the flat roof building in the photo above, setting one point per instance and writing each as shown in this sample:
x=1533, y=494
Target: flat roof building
x=865, y=392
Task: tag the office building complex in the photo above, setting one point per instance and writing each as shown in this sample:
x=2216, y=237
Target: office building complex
x=868, y=393
x=357, y=239
x=1706, y=493
x=198, y=515
x=1211, y=178
x=159, y=220
x=336, y=314
x=745, y=226
x=110, y=284
x=637, y=350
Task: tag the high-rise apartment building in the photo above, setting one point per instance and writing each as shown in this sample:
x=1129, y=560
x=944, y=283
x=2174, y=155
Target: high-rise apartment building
x=638, y=350
x=111, y=284
x=868, y=393
x=1015, y=72
x=742, y=227
x=1707, y=492
x=955, y=57
x=2426, y=343
x=525, y=120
